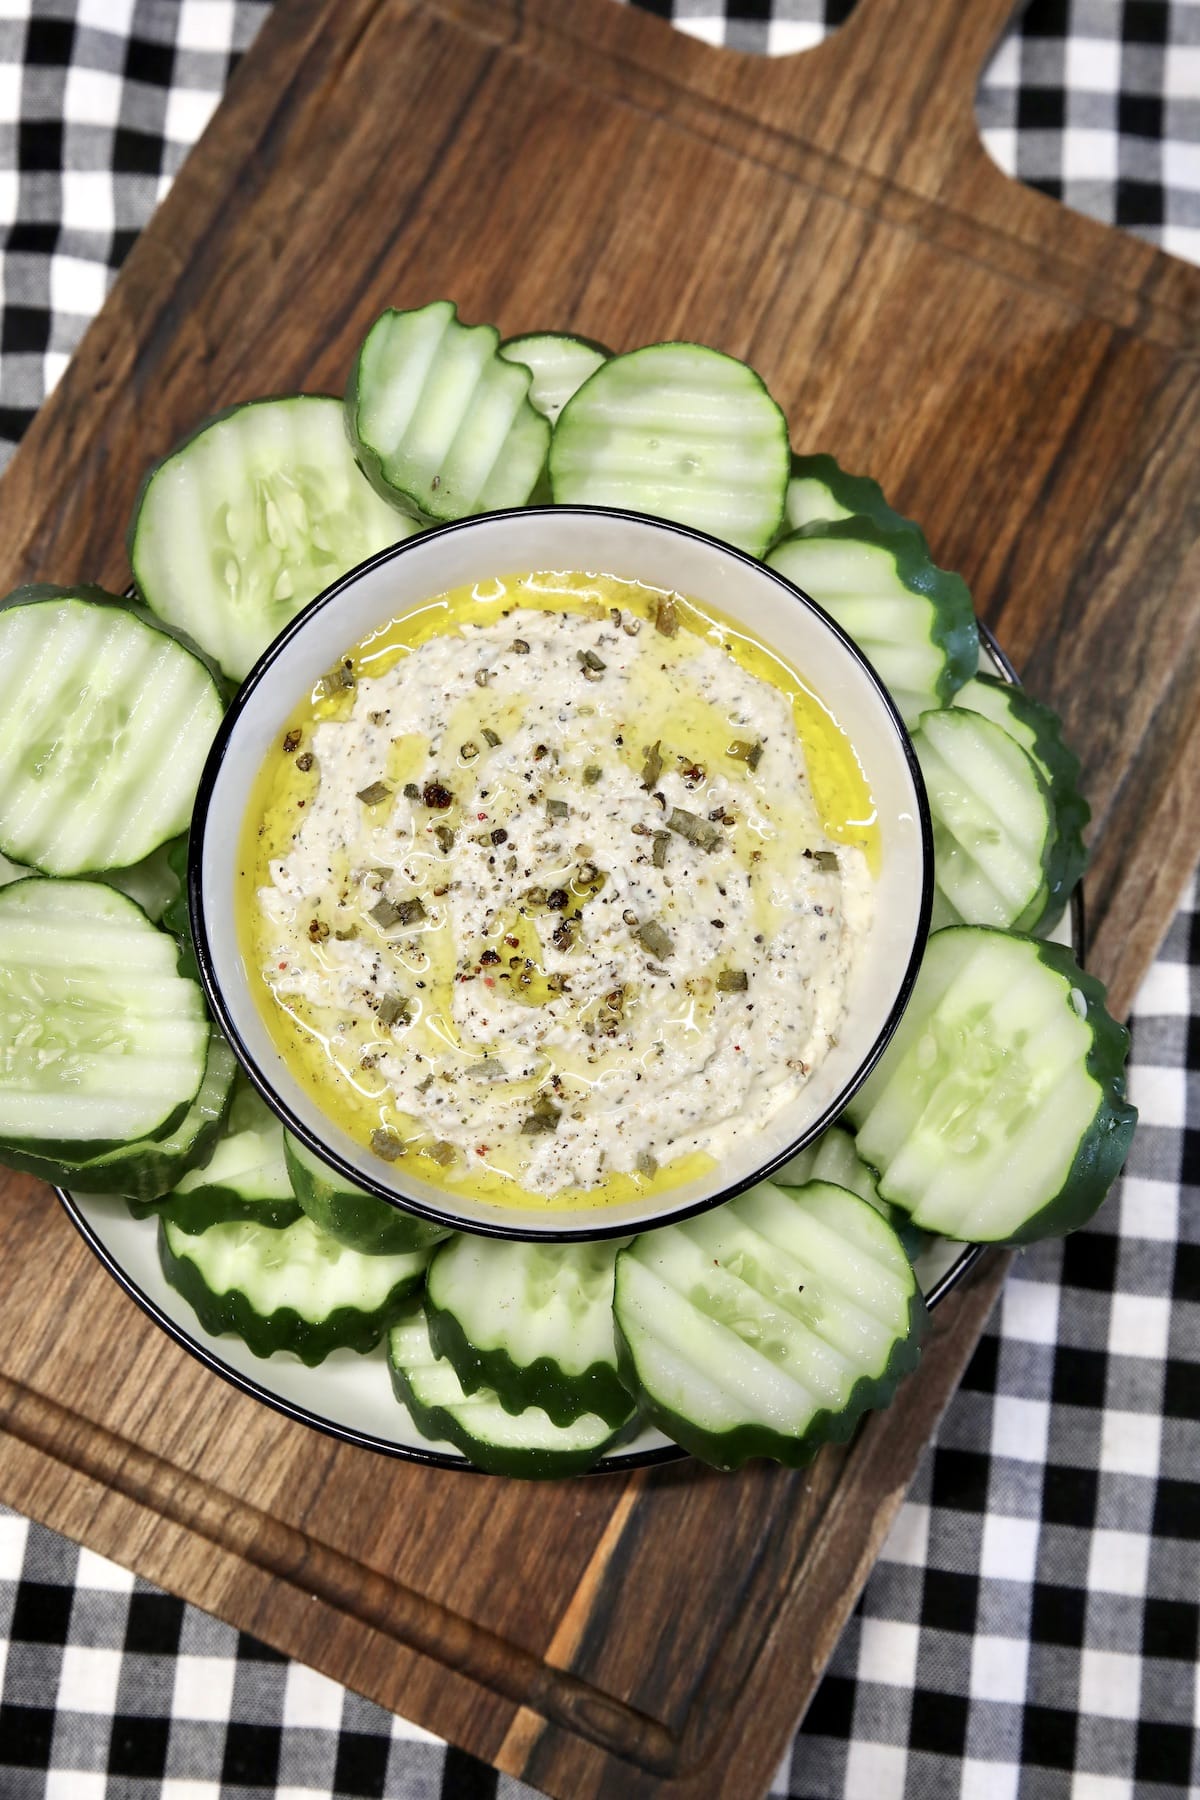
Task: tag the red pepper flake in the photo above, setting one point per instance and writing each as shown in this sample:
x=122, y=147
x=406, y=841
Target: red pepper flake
x=283, y=965
x=489, y=981
x=481, y=1149
x=481, y=815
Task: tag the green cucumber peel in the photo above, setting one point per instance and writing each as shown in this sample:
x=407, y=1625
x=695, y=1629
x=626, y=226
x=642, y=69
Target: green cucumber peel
x=521, y=1463
x=731, y=1449
x=955, y=632
x=1105, y=1135
x=264, y=1334
x=144, y=1170
x=851, y=496
x=542, y=1383
x=361, y=1221
x=438, y=495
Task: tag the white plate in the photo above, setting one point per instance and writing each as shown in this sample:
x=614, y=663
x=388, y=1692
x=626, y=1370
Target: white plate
x=350, y=1396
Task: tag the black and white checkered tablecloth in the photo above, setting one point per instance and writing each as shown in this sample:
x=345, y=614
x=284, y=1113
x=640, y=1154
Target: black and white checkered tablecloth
x=1032, y=1627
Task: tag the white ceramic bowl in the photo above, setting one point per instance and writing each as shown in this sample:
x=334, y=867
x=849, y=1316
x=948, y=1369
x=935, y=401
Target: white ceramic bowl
x=635, y=548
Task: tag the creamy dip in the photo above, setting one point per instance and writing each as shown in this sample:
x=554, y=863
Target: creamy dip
x=554, y=889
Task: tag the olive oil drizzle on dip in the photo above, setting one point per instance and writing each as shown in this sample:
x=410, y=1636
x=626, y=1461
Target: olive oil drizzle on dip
x=553, y=886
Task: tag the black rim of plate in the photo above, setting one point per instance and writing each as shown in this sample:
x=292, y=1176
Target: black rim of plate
x=431, y=1456
x=498, y=1228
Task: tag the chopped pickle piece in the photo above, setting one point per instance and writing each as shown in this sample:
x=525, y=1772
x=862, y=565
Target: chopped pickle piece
x=394, y=1009
x=742, y=751
x=661, y=840
x=544, y=1117
x=491, y=737
x=666, y=616
x=652, y=767
x=732, y=981
x=592, y=774
x=372, y=795
x=387, y=1144
x=653, y=938
x=691, y=826
x=557, y=809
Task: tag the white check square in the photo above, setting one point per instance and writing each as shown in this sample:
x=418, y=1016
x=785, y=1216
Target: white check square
x=1020, y=1428
x=98, y=1573
x=875, y=1771
x=203, y=1687
x=1130, y=1443
x=1030, y=1310
x=1110, y=1684
x=88, y=1680
x=1118, y=1562
x=908, y=1540
x=1009, y=1548
x=999, y=1666
x=91, y=96
x=311, y=1699
x=887, y=1652
x=1139, y=1325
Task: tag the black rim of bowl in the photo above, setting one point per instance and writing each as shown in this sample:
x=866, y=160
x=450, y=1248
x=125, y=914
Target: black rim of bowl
x=499, y=1228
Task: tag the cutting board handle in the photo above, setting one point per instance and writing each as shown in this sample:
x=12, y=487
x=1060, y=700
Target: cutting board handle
x=911, y=69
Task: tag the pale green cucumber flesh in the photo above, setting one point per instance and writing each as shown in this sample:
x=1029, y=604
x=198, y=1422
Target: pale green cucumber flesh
x=532, y=1321
x=681, y=432
x=766, y=1327
x=525, y=1445
x=559, y=366
x=105, y=723
x=102, y=1041
x=998, y=1111
x=440, y=421
x=293, y=1289
x=244, y=523
x=912, y=620
x=993, y=819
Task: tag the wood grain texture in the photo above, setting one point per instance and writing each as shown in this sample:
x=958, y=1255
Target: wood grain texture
x=1020, y=379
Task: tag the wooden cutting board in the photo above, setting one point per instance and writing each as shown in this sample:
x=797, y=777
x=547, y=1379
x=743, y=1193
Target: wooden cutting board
x=1021, y=380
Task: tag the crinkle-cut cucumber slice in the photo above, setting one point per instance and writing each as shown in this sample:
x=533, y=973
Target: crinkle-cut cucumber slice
x=913, y=620
x=997, y=1114
x=532, y=1321
x=102, y=1040
x=559, y=365
x=440, y=421
x=1038, y=729
x=681, y=432
x=105, y=722
x=820, y=492
x=150, y=1166
x=249, y=519
x=832, y=1157
x=767, y=1326
x=360, y=1220
x=294, y=1288
x=994, y=830
x=526, y=1445
x=245, y=1177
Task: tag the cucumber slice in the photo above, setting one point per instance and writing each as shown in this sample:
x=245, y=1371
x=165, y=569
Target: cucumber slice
x=913, y=620
x=245, y=1177
x=441, y=423
x=294, y=1289
x=1038, y=729
x=997, y=1114
x=769, y=1325
x=681, y=432
x=833, y=1157
x=105, y=722
x=532, y=1321
x=251, y=517
x=527, y=1445
x=995, y=836
x=559, y=366
x=355, y=1218
x=150, y=1166
x=102, y=1041
x=821, y=492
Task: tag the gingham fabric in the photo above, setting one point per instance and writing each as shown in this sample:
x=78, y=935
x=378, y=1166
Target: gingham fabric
x=1031, y=1629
